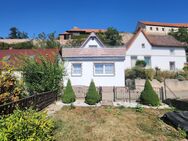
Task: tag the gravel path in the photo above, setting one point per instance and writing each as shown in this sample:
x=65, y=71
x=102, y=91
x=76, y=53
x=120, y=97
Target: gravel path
x=51, y=109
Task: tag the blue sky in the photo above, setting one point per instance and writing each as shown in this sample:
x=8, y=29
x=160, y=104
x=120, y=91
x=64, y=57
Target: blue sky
x=35, y=16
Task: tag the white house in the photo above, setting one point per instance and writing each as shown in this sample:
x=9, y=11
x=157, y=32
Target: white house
x=93, y=61
x=162, y=51
x=159, y=28
x=106, y=66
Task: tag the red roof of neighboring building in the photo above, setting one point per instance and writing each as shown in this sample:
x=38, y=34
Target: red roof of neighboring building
x=11, y=56
x=165, y=24
x=76, y=29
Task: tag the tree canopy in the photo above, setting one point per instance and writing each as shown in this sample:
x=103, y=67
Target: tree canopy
x=16, y=34
x=111, y=37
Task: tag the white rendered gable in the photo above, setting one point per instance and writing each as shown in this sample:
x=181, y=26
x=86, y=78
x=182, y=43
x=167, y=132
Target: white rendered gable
x=92, y=42
x=140, y=46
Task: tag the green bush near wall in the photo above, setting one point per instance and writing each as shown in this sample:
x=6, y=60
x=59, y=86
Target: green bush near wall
x=92, y=96
x=69, y=95
x=148, y=95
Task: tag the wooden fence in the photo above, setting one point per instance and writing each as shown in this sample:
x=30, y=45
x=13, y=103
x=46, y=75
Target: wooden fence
x=37, y=101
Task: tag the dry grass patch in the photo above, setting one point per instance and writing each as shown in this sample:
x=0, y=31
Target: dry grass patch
x=112, y=124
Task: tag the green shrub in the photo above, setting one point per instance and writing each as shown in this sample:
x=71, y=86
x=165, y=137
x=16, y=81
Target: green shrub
x=92, y=96
x=23, y=45
x=167, y=74
x=180, y=77
x=148, y=95
x=69, y=95
x=139, y=72
x=140, y=63
x=185, y=68
x=42, y=74
x=26, y=125
x=150, y=73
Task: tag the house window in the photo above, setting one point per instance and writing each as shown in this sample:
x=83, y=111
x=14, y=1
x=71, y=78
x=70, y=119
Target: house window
x=76, y=69
x=172, y=66
x=157, y=28
x=143, y=45
x=171, y=51
x=104, y=69
x=147, y=59
x=162, y=29
x=133, y=60
x=151, y=28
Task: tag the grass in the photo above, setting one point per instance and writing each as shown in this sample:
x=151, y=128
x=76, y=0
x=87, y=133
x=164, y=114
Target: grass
x=112, y=124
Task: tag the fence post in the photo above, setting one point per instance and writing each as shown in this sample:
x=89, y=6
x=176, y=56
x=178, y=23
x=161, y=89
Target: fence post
x=165, y=88
x=162, y=94
x=129, y=95
x=35, y=101
x=114, y=92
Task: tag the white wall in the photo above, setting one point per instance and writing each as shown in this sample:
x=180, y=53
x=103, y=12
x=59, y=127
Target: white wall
x=87, y=75
x=154, y=29
x=160, y=56
x=92, y=42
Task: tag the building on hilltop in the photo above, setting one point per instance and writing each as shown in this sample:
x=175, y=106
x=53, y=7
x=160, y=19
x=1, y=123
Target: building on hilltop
x=160, y=28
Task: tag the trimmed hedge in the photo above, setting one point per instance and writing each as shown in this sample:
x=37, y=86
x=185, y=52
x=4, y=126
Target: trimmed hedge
x=148, y=95
x=92, y=96
x=69, y=95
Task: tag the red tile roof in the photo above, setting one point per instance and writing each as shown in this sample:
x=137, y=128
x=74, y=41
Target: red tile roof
x=164, y=40
x=11, y=56
x=93, y=52
x=76, y=29
x=165, y=24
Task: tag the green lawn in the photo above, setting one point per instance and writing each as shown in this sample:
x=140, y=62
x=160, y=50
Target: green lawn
x=112, y=124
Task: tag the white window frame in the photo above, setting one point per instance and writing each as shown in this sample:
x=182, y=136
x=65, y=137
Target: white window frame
x=135, y=61
x=72, y=69
x=104, y=69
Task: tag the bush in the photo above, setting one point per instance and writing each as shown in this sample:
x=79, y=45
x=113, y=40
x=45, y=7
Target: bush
x=150, y=73
x=185, y=68
x=42, y=74
x=92, y=96
x=180, y=77
x=140, y=63
x=11, y=89
x=26, y=125
x=69, y=95
x=139, y=72
x=148, y=95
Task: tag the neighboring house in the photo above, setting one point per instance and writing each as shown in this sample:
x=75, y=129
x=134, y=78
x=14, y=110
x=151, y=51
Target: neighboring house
x=75, y=31
x=11, y=56
x=93, y=61
x=162, y=51
x=14, y=41
x=160, y=28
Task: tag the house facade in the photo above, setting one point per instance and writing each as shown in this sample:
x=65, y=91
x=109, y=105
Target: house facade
x=93, y=61
x=106, y=66
x=162, y=51
x=159, y=28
